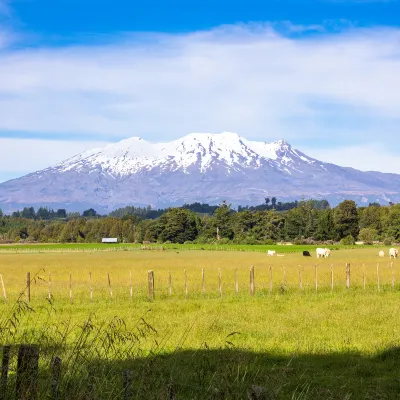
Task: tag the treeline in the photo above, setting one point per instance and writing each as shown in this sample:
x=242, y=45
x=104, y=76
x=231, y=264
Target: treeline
x=309, y=221
x=44, y=213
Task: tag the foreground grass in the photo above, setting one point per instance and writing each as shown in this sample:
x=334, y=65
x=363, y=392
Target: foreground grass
x=296, y=345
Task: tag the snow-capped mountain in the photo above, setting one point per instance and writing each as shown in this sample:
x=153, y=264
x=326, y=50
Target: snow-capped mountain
x=199, y=167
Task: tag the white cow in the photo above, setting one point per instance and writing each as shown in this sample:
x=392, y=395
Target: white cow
x=393, y=253
x=271, y=253
x=323, y=253
x=381, y=253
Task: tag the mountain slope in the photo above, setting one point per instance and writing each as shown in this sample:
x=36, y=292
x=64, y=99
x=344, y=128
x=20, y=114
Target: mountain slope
x=199, y=167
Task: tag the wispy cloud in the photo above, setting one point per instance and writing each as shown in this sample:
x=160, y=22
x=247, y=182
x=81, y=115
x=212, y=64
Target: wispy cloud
x=326, y=89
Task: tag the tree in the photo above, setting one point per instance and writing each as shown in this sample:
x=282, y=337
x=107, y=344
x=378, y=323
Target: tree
x=43, y=213
x=368, y=235
x=222, y=219
x=178, y=226
x=28, y=213
x=1, y=212
x=325, y=225
x=392, y=223
x=90, y=213
x=61, y=213
x=346, y=219
x=273, y=202
x=370, y=217
x=301, y=222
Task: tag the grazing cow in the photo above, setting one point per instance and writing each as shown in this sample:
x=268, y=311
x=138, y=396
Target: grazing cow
x=381, y=253
x=271, y=253
x=393, y=253
x=323, y=253
x=306, y=253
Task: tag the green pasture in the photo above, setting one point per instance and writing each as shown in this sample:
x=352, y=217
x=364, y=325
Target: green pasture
x=315, y=343
x=82, y=247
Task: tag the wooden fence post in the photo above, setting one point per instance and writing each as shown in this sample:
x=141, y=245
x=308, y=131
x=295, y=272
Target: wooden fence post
x=270, y=279
x=150, y=281
x=332, y=278
x=55, y=378
x=316, y=278
x=236, y=282
x=186, y=284
x=27, y=372
x=203, y=282
x=5, y=365
x=348, y=275
x=90, y=286
x=252, y=283
x=220, y=282
x=170, y=283
x=4, y=289
x=393, y=282
x=127, y=378
x=130, y=286
x=378, y=277
x=28, y=287
x=70, y=288
x=109, y=284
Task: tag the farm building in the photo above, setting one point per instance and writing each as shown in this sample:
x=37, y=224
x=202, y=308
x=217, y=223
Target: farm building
x=109, y=240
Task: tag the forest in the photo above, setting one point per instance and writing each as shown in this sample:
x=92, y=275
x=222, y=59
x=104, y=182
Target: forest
x=306, y=221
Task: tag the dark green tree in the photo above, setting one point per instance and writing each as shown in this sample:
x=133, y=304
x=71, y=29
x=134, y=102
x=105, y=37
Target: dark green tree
x=61, y=213
x=346, y=219
x=326, y=225
x=392, y=223
x=179, y=226
x=222, y=220
x=28, y=213
x=90, y=213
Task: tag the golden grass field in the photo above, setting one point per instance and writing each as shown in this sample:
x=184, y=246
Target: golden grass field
x=286, y=323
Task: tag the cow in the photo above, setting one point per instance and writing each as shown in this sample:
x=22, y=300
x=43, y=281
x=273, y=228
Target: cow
x=271, y=253
x=323, y=253
x=381, y=253
x=306, y=253
x=393, y=253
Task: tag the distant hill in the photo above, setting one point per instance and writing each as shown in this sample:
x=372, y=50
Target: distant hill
x=207, y=168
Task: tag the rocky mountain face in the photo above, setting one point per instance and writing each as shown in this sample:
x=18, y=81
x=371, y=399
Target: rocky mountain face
x=199, y=167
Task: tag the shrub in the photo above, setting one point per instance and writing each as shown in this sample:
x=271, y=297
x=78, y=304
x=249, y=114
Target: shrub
x=388, y=241
x=368, y=235
x=348, y=241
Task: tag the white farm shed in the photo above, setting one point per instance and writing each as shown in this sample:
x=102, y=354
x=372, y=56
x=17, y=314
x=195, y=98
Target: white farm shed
x=109, y=240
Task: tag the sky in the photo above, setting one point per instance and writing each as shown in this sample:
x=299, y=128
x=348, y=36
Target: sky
x=77, y=74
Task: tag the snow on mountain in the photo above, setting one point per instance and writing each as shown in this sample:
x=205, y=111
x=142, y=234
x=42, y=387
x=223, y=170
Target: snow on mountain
x=132, y=155
x=198, y=167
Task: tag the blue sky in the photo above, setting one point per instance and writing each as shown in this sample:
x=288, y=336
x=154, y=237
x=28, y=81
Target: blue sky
x=323, y=74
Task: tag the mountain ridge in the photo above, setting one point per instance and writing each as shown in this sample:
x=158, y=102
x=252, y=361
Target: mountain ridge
x=198, y=167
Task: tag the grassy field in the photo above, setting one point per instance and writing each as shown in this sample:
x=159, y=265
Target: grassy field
x=84, y=247
x=295, y=344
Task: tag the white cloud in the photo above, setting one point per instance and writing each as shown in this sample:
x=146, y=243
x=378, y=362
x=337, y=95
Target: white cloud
x=249, y=79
